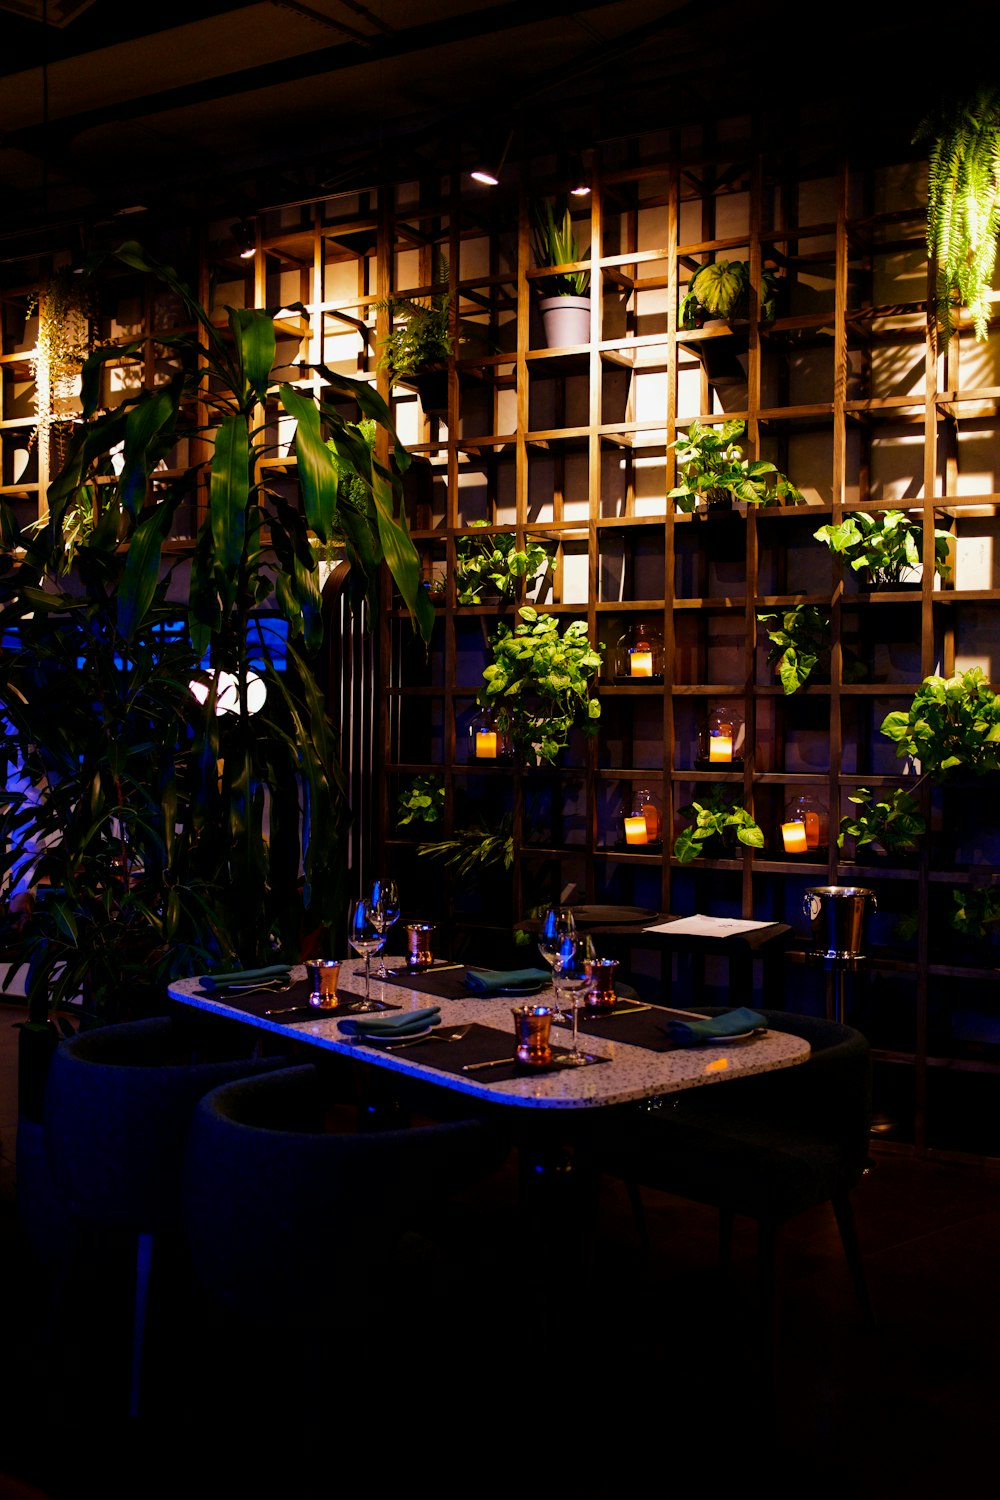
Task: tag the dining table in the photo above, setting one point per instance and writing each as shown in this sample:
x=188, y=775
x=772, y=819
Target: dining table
x=465, y=1064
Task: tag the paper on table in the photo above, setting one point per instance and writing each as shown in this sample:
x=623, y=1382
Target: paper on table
x=699, y=926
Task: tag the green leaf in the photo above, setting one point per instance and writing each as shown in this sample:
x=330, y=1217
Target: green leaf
x=253, y=331
x=228, y=495
x=142, y=573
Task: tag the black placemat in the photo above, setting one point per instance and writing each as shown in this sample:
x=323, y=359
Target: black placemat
x=480, y=1044
x=258, y=1002
x=637, y=1028
x=453, y=984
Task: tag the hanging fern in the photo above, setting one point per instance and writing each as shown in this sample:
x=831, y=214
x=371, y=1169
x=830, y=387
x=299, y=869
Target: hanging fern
x=963, y=203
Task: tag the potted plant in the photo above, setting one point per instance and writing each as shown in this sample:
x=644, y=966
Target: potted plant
x=152, y=719
x=953, y=723
x=799, y=636
x=891, y=823
x=714, y=472
x=720, y=292
x=475, y=847
x=963, y=203
x=565, y=300
x=885, y=545
x=976, y=912
x=417, y=351
x=539, y=684
x=421, y=801
x=489, y=566
x=715, y=818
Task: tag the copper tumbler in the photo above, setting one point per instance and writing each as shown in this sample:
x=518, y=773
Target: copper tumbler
x=419, y=944
x=323, y=976
x=532, y=1024
x=601, y=995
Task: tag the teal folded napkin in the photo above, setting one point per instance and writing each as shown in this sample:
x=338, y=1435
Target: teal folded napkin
x=244, y=976
x=713, y=1028
x=400, y=1023
x=492, y=981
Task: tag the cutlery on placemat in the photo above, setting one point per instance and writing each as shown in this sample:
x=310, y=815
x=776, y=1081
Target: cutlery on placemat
x=455, y=1035
x=405, y=973
x=496, y=1062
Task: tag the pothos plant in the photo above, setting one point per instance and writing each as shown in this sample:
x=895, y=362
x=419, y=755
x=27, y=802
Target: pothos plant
x=421, y=801
x=963, y=202
x=715, y=817
x=885, y=543
x=171, y=835
x=539, y=683
x=493, y=562
x=976, y=911
x=892, y=821
x=952, y=723
x=799, y=636
x=712, y=468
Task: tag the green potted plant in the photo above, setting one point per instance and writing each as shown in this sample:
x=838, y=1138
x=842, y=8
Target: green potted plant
x=152, y=719
x=713, y=471
x=953, y=723
x=715, y=818
x=885, y=545
x=799, y=637
x=976, y=912
x=475, y=847
x=565, y=299
x=721, y=290
x=420, y=801
x=890, y=822
x=963, y=203
x=539, y=684
x=417, y=350
x=488, y=566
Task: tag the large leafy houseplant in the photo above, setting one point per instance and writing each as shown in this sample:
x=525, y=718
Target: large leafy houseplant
x=885, y=544
x=715, y=818
x=162, y=835
x=712, y=469
x=963, y=202
x=721, y=289
x=953, y=723
x=493, y=563
x=539, y=684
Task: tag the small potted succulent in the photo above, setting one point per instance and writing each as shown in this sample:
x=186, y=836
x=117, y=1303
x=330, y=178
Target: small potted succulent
x=565, y=299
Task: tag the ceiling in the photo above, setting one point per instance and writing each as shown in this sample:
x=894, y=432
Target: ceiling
x=241, y=103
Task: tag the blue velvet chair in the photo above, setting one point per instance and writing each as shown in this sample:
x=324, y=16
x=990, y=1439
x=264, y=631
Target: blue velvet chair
x=117, y=1109
x=767, y=1147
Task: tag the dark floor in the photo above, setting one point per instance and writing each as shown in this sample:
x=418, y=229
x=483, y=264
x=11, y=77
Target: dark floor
x=645, y=1374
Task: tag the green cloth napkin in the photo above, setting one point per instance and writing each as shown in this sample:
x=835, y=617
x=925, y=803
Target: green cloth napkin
x=713, y=1028
x=400, y=1023
x=489, y=981
x=244, y=976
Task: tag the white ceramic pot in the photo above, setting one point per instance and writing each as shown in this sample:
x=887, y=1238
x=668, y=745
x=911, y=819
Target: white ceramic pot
x=566, y=321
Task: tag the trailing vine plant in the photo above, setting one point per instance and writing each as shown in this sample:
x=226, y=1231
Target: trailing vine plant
x=539, y=684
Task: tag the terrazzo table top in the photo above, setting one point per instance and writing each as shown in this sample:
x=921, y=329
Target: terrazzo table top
x=632, y=1072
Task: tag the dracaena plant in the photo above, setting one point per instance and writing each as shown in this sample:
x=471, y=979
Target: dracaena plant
x=162, y=834
x=886, y=543
x=711, y=467
x=952, y=724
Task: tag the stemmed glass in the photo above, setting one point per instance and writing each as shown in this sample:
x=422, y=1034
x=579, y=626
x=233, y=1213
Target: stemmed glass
x=384, y=898
x=557, y=941
x=573, y=978
x=365, y=937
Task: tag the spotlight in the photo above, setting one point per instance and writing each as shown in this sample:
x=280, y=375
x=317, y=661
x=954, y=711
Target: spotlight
x=577, y=176
x=246, y=239
x=489, y=168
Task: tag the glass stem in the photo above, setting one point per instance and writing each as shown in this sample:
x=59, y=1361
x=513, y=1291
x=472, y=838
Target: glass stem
x=368, y=976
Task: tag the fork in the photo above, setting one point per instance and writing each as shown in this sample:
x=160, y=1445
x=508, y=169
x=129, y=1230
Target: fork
x=455, y=1035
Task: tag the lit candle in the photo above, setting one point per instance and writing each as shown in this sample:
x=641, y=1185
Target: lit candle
x=720, y=744
x=635, y=831
x=486, y=744
x=652, y=821
x=640, y=663
x=793, y=836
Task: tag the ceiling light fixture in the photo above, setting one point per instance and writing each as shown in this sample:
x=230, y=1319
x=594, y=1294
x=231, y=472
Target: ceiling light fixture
x=245, y=237
x=490, y=167
x=578, y=178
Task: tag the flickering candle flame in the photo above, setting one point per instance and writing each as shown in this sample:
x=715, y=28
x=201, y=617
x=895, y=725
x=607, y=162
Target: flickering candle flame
x=640, y=663
x=793, y=836
x=486, y=744
x=720, y=744
x=635, y=831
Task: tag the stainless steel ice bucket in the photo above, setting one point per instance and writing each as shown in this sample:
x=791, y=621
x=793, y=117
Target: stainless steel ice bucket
x=837, y=914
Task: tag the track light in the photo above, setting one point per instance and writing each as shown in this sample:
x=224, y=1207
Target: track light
x=576, y=175
x=490, y=167
x=245, y=237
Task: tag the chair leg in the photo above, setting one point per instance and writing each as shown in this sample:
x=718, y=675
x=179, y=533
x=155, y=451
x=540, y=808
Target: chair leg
x=849, y=1239
x=143, y=1272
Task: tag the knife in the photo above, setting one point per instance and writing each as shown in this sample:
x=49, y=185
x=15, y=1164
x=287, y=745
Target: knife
x=496, y=1062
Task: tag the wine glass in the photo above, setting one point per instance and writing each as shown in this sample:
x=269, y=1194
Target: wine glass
x=573, y=979
x=365, y=937
x=384, y=898
x=557, y=940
